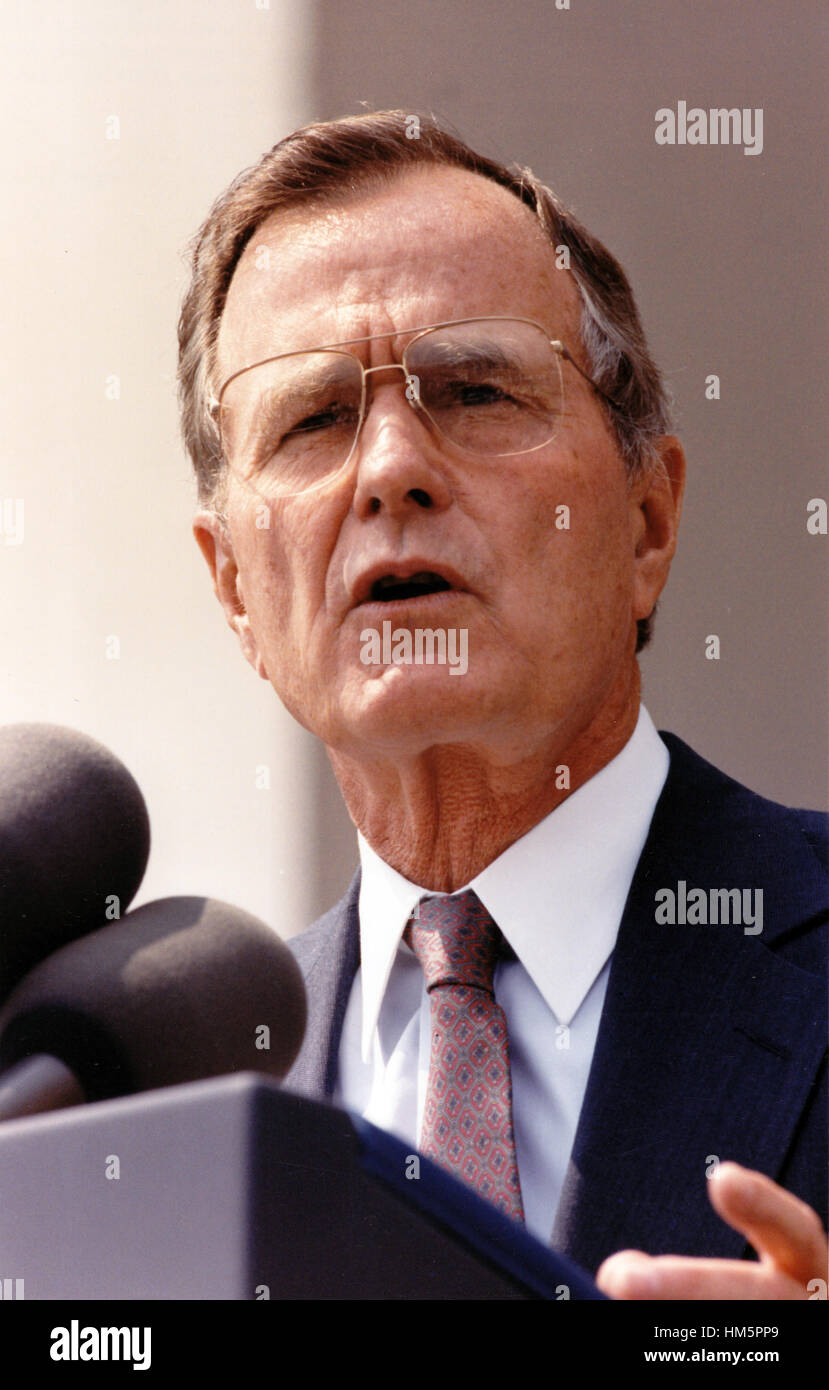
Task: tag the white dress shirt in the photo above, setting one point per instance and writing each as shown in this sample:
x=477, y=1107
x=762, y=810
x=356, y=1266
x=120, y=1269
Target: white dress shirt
x=557, y=895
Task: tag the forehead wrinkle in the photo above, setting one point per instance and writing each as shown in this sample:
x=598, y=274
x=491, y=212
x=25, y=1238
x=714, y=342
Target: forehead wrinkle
x=457, y=230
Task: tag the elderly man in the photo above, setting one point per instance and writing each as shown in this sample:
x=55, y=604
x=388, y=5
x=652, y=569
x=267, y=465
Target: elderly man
x=579, y=966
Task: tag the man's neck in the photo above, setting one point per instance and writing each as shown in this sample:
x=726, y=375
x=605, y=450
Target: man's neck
x=441, y=817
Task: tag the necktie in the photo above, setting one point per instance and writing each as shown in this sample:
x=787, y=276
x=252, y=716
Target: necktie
x=467, y=1122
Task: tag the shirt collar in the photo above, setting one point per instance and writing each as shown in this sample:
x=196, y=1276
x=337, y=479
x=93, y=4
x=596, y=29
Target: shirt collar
x=557, y=894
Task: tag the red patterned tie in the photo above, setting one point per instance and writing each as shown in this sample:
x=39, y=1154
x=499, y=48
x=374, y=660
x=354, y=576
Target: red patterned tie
x=467, y=1122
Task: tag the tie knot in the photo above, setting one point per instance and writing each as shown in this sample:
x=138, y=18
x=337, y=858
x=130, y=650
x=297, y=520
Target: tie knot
x=455, y=940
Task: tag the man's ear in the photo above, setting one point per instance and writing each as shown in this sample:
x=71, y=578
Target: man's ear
x=215, y=543
x=656, y=503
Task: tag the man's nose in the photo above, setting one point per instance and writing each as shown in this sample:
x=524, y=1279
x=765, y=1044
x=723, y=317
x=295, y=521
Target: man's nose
x=399, y=458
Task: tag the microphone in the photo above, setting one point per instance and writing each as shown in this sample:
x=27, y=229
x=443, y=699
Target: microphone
x=178, y=990
x=74, y=836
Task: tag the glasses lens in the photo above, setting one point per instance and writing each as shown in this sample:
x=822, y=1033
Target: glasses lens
x=492, y=387
x=290, y=424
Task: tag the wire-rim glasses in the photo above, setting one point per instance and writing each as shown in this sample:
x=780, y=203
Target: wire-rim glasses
x=492, y=387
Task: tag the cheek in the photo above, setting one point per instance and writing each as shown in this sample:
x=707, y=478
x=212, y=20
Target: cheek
x=282, y=552
x=266, y=583
x=578, y=516
x=265, y=590
x=580, y=570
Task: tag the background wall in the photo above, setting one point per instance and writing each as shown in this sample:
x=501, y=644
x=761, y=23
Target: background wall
x=121, y=124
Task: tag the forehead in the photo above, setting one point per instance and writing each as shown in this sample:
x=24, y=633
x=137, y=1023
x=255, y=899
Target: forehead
x=436, y=243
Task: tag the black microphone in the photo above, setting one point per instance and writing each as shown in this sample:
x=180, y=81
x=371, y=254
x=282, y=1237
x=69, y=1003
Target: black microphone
x=74, y=838
x=178, y=990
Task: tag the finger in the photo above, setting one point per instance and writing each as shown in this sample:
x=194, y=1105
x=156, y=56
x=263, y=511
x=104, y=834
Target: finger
x=779, y=1225
x=631, y=1275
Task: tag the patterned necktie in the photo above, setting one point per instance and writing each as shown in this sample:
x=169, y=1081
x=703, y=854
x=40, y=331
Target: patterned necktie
x=467, y=1122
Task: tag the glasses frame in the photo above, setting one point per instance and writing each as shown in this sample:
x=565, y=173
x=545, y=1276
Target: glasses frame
x=560, y=348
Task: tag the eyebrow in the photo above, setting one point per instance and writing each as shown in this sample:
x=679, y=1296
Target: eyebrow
x=374, y=337
x=485, y=356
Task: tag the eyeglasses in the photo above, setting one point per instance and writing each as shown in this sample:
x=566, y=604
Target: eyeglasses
x=491, y=387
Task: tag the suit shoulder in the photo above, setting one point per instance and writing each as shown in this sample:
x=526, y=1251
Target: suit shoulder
x=724, y=835
x=329, y=932
x=696, y=779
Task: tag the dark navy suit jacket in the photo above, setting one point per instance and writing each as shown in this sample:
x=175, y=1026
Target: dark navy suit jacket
x=712, y=1042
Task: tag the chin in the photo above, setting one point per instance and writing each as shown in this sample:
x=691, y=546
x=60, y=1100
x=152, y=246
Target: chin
x=410, y=706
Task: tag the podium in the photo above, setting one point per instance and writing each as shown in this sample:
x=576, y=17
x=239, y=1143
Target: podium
x=236, y=1189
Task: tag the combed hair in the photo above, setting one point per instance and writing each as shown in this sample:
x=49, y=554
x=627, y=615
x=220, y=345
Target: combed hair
x=322, y=162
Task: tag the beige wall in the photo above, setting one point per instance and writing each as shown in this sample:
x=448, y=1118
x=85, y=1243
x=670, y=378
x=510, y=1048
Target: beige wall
x=93, y=234
x=722, y=248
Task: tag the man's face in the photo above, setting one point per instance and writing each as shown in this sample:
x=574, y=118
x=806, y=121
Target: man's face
x=550, y=613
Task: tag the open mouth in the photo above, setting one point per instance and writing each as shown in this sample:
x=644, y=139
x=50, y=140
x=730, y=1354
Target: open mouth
x=390, y=588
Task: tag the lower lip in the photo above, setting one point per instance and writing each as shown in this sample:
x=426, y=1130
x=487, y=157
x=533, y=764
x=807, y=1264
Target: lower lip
x=402, y=609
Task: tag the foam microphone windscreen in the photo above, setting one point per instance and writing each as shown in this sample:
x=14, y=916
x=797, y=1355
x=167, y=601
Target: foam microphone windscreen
x=179, y=989
x=74, y=838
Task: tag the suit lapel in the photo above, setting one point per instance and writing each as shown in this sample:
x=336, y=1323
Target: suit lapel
x=329, y=956
x=709, y=1042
